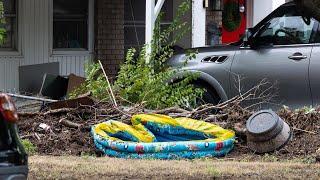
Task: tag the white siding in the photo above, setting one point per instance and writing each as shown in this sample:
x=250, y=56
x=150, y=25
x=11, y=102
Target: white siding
x=9, y=73
x=260, y=10
x=277, y=3
x=71, y=64
x=35, y=41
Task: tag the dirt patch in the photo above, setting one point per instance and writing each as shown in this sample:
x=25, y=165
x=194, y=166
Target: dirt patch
x=48, y=167
x=75, y=139
x=305, y=126
x=57, y=139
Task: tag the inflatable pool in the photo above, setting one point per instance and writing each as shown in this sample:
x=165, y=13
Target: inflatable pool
x=162, y=137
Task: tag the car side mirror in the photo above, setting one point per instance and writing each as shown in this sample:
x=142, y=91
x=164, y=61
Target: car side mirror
x=256, y=42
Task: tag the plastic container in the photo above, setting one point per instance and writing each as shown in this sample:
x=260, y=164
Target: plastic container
x=267, y=132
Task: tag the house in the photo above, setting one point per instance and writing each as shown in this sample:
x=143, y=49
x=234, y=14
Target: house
x=71, y=32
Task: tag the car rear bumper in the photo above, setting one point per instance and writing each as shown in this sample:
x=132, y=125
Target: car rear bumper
x=14, y=173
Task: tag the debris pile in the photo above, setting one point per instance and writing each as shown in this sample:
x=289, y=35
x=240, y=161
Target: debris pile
x=66, y=131
x=306, y=131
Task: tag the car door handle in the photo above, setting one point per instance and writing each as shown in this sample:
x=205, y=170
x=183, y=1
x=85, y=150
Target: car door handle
x=298, y=56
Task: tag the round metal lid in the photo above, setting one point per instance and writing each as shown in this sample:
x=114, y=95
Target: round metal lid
x=262, y=122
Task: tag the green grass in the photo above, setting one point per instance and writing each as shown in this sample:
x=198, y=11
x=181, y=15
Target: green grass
x=214, y=172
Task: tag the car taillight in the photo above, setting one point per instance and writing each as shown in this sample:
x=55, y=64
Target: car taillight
x=8, y=109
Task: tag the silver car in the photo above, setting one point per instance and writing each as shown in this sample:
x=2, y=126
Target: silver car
x=283, y=49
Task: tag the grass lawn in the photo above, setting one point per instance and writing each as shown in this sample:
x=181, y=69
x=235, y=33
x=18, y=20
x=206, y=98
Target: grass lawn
x=87, y=167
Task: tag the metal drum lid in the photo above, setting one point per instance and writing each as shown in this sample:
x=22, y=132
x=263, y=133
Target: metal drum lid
x=262, y=122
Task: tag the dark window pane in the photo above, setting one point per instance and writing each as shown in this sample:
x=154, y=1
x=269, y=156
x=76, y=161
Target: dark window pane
x=70, y=24
x=9, y=6
x=135, y=10
x=70, y=7
x=317, y=35
x=167, y=9
x=134, y=25
x=134, y=37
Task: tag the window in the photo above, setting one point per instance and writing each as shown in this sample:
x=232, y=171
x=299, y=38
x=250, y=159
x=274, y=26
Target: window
x=70, y=24
x=8, y=25
x=134, y=24
x=288, y=28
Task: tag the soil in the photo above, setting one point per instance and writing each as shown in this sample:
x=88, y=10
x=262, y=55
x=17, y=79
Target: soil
x=59, y=139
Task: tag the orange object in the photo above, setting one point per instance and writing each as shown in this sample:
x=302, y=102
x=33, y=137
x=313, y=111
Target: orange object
x=7, y=108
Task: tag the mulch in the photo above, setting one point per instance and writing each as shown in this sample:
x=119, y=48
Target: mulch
x=67, y=131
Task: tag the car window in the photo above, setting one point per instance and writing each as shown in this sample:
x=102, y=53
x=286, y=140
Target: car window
x=317, y=35
x=288, y=28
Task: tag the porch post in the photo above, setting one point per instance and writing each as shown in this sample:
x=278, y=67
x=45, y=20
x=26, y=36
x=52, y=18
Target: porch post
x=198, y=24
x=158, y=7
x=152, y=12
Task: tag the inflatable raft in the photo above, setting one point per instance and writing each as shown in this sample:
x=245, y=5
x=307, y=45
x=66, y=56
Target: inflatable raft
x=162, y=137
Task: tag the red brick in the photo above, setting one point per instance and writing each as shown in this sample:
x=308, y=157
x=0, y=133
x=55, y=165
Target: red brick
x=109, y=43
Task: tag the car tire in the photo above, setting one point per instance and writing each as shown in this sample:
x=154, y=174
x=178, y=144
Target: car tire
x=210, y=96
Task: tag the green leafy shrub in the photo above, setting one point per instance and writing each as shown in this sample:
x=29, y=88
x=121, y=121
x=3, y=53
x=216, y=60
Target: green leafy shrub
x=149, y=83
x=139, y=82
x=95, y=83
x=3, y=31
x=30, y=148
x=136, y=83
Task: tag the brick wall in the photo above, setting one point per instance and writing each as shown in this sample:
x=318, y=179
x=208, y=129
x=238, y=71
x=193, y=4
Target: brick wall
x=213, y=16
x=109, y=32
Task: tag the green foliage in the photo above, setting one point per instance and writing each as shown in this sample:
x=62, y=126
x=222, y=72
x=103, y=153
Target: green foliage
x=214, y=172
x=305, y=160
x=269, y=158
x=30, y=148
x=95, y=83
x=139, y=82
x=164, y=40
x=306, y=110
x=88, y=155
x=3, y=31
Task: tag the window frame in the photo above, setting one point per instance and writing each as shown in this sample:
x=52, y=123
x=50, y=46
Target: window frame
x=16, y=51
x=73, y=51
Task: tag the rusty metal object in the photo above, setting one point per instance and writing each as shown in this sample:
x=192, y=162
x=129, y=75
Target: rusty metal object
x=72, y=103
x=74, y=82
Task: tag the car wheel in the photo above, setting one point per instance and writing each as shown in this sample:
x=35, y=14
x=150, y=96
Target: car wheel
x=210, y=96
